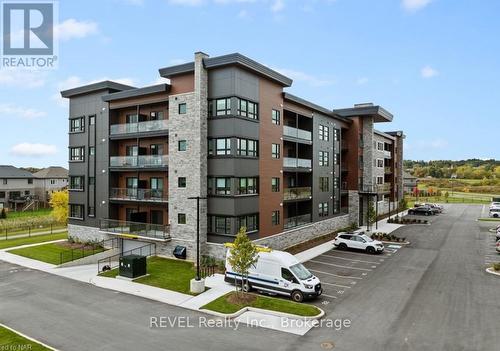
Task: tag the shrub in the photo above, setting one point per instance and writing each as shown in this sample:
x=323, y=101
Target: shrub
x=496, y=266
x=3, y=214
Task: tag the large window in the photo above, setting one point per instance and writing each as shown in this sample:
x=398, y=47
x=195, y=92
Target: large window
x=223, y=225
x=324, y=158
x=76, y=182
x=219, y=147
x=275, y=150
x=324, y=133
x=275, y=185
x=223, y=186
x=323, y=209
x=76, y=211
x=248, y=109
x=222, y=107
x=76, y=153
x=276, y=117
x=248, y=221
x=324, y=183
x=246, y=186
x=247, y=147
x=77, y=125
x=275, y=218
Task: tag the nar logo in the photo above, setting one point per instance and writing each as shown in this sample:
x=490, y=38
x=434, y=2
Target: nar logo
x=28, y=34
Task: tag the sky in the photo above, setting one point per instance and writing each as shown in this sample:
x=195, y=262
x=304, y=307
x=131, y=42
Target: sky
x=434, y=64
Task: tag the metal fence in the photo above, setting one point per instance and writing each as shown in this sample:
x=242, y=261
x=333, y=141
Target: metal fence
x=88, y=249
x=113, y=261
x=31, y=230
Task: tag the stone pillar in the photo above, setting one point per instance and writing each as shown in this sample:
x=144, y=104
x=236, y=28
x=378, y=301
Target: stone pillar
x=353, y=207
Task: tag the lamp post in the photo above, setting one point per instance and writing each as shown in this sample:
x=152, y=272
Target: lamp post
x=198, y=198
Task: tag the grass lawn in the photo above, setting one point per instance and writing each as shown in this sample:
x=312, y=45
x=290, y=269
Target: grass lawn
x=222, y=305
x=51, y=253
x=20, y=214
x=13, y=341
x=4, y=244
x=165, y=273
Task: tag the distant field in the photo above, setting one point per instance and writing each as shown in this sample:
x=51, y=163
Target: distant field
x=20, y=214
x=480, y=187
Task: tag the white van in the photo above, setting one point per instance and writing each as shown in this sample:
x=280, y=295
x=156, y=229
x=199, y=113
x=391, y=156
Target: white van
x=278, y=272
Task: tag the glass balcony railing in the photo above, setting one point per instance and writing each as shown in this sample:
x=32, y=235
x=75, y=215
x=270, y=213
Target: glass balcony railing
x=290, y=162
x=144, y=161
x=135, y=194
x=297, y=221
x=146, y=230
x=387, y=154
x=140, y=127
x=297, y=133
x=297, y=193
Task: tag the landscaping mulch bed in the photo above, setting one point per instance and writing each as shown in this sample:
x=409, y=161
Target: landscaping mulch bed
x=312, y=243
x=70, y=245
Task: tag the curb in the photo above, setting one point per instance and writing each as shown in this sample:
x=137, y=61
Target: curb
x=492, y=271
x=395, y=243
x=28, y=338
x=268, y=312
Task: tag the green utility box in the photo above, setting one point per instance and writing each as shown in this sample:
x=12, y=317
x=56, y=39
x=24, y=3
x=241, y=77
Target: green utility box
x=133, y=266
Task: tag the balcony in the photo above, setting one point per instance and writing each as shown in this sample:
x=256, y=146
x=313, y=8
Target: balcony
x=296, y=133
x=297, y=221
x=134, y=194
x=140, y=127
x=387, y=154
x=373, y=189
x=145, y=161
x=387, y=170
x=289, y=162
x=301, y=193
x=135, y=229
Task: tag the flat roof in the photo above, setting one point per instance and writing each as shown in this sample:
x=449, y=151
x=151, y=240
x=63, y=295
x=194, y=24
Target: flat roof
x=379, y=113
x=158, y=88
x=312, y=106
x=385, y=135
x=236, y=59
x=89, y=88
x=397, y=133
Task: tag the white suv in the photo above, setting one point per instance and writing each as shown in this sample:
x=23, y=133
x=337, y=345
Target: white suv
x=358, y=241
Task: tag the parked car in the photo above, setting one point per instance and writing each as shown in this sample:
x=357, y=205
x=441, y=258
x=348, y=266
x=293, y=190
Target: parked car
x=495, y=212
x=497, y=236
x=278, y=273
x=435, y=208
x=498, y=246
x=421, y=210
x=359, y=241
x=495, y=205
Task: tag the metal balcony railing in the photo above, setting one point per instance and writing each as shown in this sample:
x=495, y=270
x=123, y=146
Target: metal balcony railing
x=297, y=133
x=140, y=127
x=143, y=161
x=135, y=194
x=297, y=221
x=298, y=193
x=146, y=230
x=290, y=162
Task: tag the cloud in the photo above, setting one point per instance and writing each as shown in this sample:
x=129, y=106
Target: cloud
x=72, y=28
x=22, y=78
x=9, y=110
x=362, y=81
x=304, y=77
x=278, y=5
x=428, y=72
x=414, y=5
x=33, y=150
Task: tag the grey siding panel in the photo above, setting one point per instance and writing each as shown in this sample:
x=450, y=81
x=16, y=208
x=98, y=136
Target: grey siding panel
x=233, y=206
x=231, y=81
x=222, y=127
x=237, y=167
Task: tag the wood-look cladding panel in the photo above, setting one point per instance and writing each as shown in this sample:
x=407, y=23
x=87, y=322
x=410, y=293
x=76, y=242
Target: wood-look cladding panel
x=139, y=100
x=270, y=97
x=351, y=137
x=182, y=84
x=291, y=106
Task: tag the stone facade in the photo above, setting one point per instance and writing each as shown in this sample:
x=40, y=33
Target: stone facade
x=86, y=233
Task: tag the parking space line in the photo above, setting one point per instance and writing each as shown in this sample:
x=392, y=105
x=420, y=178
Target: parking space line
x=335, y=275
x=333, y=297
x=340, y=286
x=351, y=253
x=349, y=259
x=336, y=265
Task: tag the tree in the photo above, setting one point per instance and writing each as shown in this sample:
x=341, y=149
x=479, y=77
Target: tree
x=243, y=256
x=371, y=216
x=446, y=196
x=59, y=203
x=3, y=214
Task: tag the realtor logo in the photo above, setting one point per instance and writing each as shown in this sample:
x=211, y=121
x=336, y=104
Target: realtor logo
x=28, y=34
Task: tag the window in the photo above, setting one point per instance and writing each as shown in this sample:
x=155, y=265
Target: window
x=92, y=120
x=380, y=163
x=247, y=109
x=2, y=194
x=26, y=192
x=323, y=209
x=246, y=186
x=181, y=182
x=275, y=185
x=248, y=221
x=181, y=218
x=76, y=211
x=288, y=276
x=336, y=134
x=182, y=145
x=276, y=117
x=275, y=150
x=223, y=225
x=380, y=146
x=380, y=180
x=324, y=158
x=324, y=133
x=219, y=147
x=91, y=180
x=76, y=182
x=30, y=181
x=77, y=125
x=324, y=184
x=91, y=211
x=246, y=147
x=275, y=218
x=5, y=181
x=91, y=150
x=223, y=186
x=223, y=107
x=156, y=149
x=53, y=182
x=76, y=153
x=182, y=109
x=156, y=115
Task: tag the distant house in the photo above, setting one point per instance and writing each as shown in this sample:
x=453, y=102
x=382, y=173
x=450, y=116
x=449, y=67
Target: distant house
x=409, y=182
x=49, y=180
x=17, y=187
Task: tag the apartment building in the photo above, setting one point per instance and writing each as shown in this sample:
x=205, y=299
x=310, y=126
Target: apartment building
x=17, y=186
x=223, y=129
x=48, y=180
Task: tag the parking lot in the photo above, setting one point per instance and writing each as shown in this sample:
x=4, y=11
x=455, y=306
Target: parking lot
x=490, y=254
x=342, y=271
